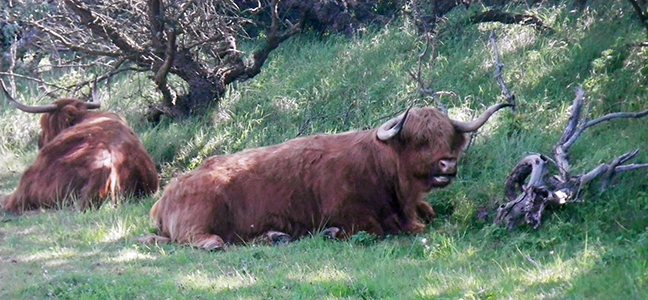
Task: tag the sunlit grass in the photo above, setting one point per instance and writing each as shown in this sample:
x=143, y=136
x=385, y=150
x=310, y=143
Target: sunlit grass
x=313, y=84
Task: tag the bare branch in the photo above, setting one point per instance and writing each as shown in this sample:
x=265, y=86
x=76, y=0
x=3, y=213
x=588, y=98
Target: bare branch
x=38, y=80
x=574, y=118
x=499, y=66
x=67, y=43
x=611, y=169
x=161, y=74
x=424, y=89
x=99, y=28
x=630, y=167
x=156, y=22
x=607, y=117
x=496, y=15
x=616, y=115
x=561, y=149
x=273, y=39
x=515, y=182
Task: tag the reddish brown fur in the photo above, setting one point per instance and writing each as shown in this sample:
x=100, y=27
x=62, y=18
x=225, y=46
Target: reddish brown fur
x=352, y=181
x=84, y=155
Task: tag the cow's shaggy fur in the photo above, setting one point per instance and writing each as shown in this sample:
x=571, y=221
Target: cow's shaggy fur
x=353, y=181
x=85, y=157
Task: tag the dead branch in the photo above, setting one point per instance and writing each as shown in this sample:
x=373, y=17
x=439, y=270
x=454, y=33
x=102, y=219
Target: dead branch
x=497, y=15
x=499, y=66
x=425, y=89
x=274, y=37
x=528, y=201
x=72, y=46
x=162, y=71
x=99, y=28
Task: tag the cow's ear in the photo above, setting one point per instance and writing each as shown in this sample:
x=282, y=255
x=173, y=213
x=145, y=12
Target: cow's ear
x=70, y=115
x=462, y=141
x=70, y=110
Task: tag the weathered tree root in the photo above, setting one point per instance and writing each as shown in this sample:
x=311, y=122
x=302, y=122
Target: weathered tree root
x=528, y=201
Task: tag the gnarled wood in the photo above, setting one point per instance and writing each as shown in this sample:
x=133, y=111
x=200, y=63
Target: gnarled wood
x=528, y=201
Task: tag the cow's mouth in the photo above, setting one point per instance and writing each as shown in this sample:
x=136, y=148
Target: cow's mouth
x=439, y=181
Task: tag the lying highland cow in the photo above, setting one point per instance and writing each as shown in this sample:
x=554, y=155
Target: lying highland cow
x=373, y=181
x=83, y=155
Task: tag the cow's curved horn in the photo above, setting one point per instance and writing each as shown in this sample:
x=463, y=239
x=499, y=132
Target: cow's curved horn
x=392, y=127
x=95, y=103
x=480, y=121
x=27, y=108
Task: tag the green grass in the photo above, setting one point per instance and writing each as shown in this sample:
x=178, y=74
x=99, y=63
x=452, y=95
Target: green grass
x=592, y=250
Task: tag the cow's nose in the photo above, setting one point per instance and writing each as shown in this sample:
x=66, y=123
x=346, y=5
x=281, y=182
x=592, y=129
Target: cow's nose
x=448, y=165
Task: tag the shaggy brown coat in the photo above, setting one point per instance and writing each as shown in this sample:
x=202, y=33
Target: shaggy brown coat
x=354, y=181
x=84, y=156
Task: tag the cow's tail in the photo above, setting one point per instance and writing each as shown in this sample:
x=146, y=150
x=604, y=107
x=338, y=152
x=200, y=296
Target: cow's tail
x=152, y=238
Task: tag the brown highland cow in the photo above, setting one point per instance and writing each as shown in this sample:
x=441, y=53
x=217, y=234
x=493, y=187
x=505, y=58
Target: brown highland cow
x=372, y=180
x=84, y=156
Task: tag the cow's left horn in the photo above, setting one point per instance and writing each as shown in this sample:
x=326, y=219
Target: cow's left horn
x=27, y=108
x=392, y=127
x=480, y=121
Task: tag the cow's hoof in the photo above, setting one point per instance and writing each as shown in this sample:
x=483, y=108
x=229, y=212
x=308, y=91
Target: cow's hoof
x=277, y=238
x=153, y=239
x=214, y=247
x=331, y=233
x=7, y=216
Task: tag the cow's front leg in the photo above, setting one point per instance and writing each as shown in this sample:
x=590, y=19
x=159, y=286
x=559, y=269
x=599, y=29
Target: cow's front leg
x=209, y=242
x=369, y=225
x=425, y=212
x=332, y=233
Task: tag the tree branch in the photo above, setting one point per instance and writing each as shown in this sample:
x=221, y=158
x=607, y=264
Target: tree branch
x=561, y=148
x=496, y=15
x=155, y=13
x=273, y=39
x=499, y=66
x=68, y=44
x=163, y=71
x=611, y=169
x=101, y=29
x=424, y=89
x=38, y=80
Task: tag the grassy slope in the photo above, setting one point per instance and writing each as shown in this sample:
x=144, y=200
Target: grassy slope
x=597, y=249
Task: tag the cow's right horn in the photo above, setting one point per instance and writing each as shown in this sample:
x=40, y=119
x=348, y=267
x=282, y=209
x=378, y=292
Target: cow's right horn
x=95, y=103
x=480, y=121
x=392, y=127
x=27, y=108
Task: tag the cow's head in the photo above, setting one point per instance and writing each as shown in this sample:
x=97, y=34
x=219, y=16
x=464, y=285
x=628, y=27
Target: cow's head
x=58, y=116
x=429, y=144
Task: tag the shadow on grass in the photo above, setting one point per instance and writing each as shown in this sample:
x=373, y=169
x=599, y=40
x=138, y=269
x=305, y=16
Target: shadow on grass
x=71, y=255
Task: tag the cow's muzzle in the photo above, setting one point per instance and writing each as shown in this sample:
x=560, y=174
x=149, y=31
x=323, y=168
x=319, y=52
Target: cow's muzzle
x=443, y=173
x=447, y=166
